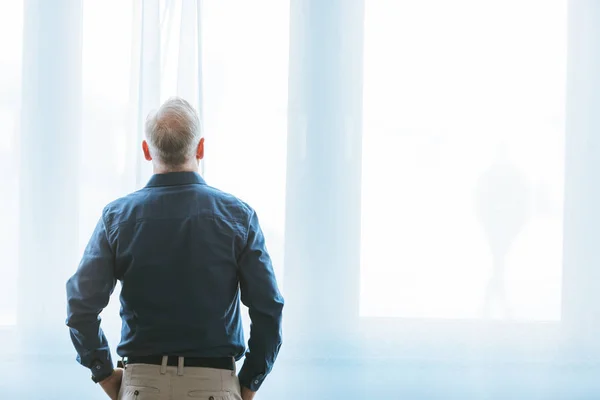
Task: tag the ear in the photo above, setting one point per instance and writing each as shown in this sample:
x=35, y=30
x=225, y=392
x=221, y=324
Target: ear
x=146, y=150
x=200, y=150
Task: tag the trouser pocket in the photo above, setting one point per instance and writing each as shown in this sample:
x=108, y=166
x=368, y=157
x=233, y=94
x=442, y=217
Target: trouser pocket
x=139, y=393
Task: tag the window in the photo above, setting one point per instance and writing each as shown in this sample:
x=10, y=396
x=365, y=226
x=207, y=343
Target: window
x=463, y=159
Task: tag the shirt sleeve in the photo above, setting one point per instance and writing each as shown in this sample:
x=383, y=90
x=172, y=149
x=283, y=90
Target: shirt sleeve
x=88, y=293
x=261, y=295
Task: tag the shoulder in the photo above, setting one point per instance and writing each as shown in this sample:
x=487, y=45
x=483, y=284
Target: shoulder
x=228, y=203
x=123, y=208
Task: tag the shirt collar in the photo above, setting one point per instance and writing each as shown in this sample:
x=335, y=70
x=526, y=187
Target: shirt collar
x=175, y=179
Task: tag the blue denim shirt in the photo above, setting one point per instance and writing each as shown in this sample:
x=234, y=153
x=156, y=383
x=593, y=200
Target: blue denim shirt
x=184, y=253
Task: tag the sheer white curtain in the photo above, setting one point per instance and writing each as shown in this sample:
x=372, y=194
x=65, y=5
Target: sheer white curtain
x=11, y=26
x=228, y=58
x=465, y=101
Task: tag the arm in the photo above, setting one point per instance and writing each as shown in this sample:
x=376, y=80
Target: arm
x=261, y=295
x=88, y=292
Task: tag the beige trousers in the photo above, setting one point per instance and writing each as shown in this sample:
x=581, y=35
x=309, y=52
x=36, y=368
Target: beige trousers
x=156, y=382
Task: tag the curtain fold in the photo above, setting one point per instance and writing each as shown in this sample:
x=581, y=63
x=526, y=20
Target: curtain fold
x=11, y=29
x=187, y=70
x=148, y=58
x=51, y=117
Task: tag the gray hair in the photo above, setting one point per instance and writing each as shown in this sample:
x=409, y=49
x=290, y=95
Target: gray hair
x=173, y=132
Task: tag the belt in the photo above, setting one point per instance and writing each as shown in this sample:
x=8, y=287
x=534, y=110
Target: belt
x=173, y=361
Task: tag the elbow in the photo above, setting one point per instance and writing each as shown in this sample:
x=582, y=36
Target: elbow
x=79, y=320
x=278, y=305
x=80, y=313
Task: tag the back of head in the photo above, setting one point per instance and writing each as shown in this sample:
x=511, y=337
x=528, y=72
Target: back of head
x=173, y=133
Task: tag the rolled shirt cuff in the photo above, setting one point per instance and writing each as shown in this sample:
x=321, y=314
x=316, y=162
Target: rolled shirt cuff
x=101, y=370
x=252, y=382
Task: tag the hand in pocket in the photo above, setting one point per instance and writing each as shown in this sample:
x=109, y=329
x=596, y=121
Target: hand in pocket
x=112, y=384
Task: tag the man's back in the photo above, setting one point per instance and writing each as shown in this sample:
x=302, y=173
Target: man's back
x=176, y=247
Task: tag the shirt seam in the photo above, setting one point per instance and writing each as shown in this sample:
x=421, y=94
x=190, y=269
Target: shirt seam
x=106, y=234
x=212, y=215
x=248, y=227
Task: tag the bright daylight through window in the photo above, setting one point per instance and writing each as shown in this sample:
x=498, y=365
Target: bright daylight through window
x=463, y=141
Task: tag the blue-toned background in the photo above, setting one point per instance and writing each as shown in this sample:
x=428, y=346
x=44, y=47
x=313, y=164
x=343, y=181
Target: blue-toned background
x=425, y=172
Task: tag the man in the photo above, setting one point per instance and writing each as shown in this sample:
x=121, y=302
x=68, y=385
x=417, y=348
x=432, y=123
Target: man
x=184, y=252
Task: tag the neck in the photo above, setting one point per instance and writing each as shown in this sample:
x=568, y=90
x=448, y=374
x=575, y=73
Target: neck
x=164, y=169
